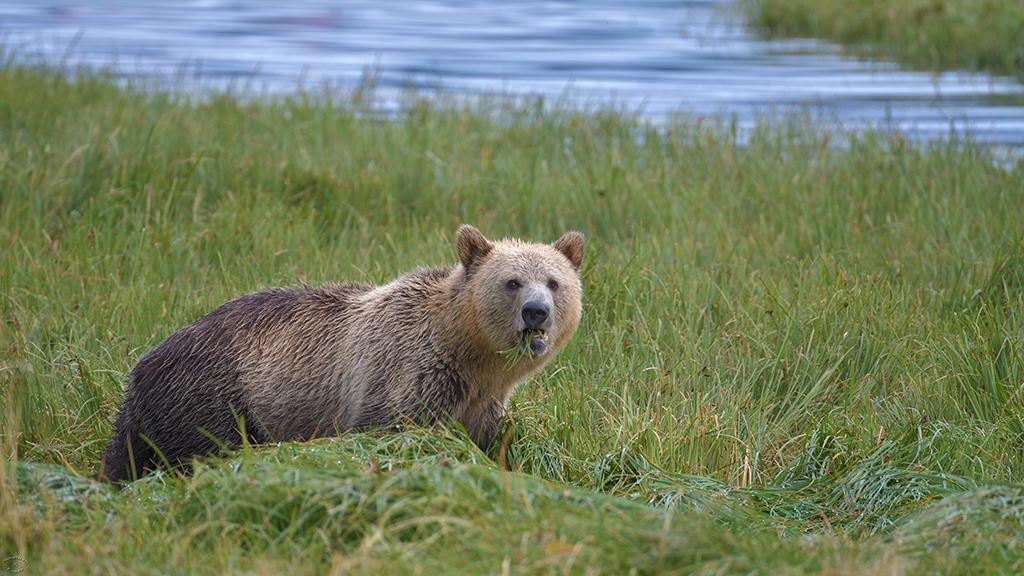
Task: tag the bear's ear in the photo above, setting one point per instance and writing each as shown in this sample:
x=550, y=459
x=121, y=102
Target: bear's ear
x=572, y=244
x=472, y=245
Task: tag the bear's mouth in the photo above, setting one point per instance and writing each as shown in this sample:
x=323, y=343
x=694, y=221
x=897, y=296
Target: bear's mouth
x=530, y=343
x=533, y=342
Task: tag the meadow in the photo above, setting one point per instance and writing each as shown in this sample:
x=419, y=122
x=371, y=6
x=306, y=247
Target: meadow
x=985, y=35
x=802, y=350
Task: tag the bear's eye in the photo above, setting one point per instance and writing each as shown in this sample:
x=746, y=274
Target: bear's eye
x=552, y=285
x=513, y=285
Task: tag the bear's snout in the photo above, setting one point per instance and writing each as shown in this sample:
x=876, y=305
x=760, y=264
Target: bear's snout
x=535, y=314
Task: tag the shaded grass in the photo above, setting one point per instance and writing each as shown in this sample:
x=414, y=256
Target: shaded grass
x=795, y=356
x=986, y=35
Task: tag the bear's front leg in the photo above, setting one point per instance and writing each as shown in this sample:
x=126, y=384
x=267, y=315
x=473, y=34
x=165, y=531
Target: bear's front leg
x=487, y=428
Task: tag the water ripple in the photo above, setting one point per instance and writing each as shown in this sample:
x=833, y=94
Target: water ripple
x=660, y=57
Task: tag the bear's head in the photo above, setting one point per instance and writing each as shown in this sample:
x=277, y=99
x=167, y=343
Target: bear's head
x=525, y=297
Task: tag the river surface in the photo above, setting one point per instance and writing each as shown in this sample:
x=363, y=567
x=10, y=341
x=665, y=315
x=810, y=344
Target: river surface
x=655, y=57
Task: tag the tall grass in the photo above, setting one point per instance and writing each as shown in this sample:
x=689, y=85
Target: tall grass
x=986, y=35
x=795, y=356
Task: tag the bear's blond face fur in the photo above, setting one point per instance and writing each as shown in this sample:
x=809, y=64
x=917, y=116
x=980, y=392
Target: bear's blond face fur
x=506, y=275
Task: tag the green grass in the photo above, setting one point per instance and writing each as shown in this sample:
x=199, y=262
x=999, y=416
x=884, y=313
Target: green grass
x=795, y=357
x=986, y=35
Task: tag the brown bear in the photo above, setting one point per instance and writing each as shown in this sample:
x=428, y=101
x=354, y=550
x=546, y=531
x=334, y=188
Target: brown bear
x=292, y=364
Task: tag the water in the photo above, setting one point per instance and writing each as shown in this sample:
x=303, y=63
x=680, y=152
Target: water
x=658, y=57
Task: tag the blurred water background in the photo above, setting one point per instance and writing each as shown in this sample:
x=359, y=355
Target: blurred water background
x=655, y=57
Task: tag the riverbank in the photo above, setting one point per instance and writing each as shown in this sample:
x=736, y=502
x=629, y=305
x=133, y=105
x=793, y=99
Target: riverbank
x=795, y=357
x=654, y=57
x=985, y=35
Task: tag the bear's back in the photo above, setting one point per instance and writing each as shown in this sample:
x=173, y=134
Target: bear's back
x=228, y=357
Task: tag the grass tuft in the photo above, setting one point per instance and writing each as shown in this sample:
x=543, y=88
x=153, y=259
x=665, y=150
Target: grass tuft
x=985, y=35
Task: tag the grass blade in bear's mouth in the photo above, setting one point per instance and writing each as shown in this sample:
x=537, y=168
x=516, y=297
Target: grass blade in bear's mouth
x=532, y=343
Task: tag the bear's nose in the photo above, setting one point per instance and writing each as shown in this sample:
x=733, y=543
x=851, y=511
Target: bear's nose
x=535, y=313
